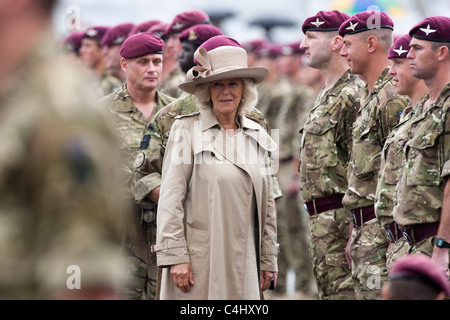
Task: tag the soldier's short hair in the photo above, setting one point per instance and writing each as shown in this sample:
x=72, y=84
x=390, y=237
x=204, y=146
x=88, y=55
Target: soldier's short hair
x=385, y=37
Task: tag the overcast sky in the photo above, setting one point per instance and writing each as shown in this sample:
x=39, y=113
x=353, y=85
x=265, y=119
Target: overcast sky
x=113, y=12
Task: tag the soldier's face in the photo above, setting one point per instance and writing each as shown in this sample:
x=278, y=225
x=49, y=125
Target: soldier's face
x=423, y=59
x=186, y=57
x=112, y=57
x=91, y=54
x=355, y=52
x=143, y=73
x=317, y=49
x=402, y=77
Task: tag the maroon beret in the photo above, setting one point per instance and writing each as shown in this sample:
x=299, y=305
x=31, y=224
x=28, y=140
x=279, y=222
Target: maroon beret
x=269, y=50
x=400, y=48
x=218, y=41
x=143, y=27
x=141, y=44
x=200, y=33
x=420, y=267
x=185, y=20
x=364, y=21
x=72, y=43
x=325, y=21
x=116, y=35
x=95, y=33
x=252, y=45
x=432, y=29
x=292, y=49
x=159, y=29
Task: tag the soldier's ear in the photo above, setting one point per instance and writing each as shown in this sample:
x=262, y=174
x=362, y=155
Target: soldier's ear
x=372, y=43
x=124, y=64
x=337, y=43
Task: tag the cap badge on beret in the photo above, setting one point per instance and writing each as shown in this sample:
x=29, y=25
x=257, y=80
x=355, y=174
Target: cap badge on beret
x=92, y=32
x=400, y=51
x=192, y=35
x=178, y=26
x=352, y=26
x=119, y=40
x=317, y=23
x=427, y=30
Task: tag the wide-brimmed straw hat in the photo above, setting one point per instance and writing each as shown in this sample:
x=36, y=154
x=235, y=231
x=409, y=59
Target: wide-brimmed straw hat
x=222, y=62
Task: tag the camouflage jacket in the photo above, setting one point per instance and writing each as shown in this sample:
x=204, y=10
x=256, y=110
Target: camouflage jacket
x=380, y=111
x=292, y=117
x=107, y=84
x=59, y=200
x=148, y=164
x=130, y=125
x=326, y=139
x=390, y=167
x=420, y=190
x=170, y=83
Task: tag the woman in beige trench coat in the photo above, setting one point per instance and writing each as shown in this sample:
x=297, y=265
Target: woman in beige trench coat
x=216, y=223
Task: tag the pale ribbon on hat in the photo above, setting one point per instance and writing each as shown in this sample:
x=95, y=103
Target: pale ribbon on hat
x=204, y=69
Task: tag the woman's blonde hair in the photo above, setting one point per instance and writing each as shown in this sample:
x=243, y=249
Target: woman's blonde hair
x=248, y=102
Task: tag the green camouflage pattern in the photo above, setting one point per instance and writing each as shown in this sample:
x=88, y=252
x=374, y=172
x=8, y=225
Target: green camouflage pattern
x=107, y=84
x=380, y=111
x=401, y=248
x=324, y=151
x=368, y=249
x=390, y=168
x=329, y=232
x=148, y=166
x=130, y=125
x=420, y=190
x=170, y=83
x=326, y=139
x=60, y=204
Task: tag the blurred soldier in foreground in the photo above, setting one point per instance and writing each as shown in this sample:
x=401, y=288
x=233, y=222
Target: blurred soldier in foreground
x=366, y=47
x=325, y=147
x=416, y=277
x=132, y=107
x=61, y=213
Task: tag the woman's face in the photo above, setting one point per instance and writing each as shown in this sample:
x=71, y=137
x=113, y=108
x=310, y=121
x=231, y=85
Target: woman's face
x=226, y=95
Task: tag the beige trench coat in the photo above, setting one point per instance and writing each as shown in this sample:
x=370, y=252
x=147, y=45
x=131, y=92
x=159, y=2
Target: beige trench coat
x=195, y=223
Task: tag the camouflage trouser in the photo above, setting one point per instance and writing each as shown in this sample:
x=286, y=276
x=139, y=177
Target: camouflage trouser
x=142, y=269
x=368, y=248
x=292, y=237
x=401, y=248
x=329, y=232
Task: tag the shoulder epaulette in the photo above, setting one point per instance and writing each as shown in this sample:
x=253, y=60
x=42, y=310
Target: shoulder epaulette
x=187, y=115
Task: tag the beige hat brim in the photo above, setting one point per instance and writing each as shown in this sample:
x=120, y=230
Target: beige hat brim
x=256, y=73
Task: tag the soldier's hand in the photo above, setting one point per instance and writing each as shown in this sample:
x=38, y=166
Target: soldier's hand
x=182, y=276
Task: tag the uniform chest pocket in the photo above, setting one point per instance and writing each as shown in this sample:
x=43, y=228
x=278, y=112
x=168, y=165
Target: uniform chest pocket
x=423, y=162
x=366, y=151
x=393, y=161
x=318, y=143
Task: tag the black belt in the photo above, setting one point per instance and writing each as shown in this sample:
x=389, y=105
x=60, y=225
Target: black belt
x=419, y=232
x=316, y=206
x=361, y=215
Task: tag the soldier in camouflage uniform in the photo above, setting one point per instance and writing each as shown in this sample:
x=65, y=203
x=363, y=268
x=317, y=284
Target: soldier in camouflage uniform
x=91, y=55
x=61, y=212
x=391, y=156
x=295, y=269
x=172, y=74
x=325, y=146
x=366, y=48
x=131, y=108
x=420, y=207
